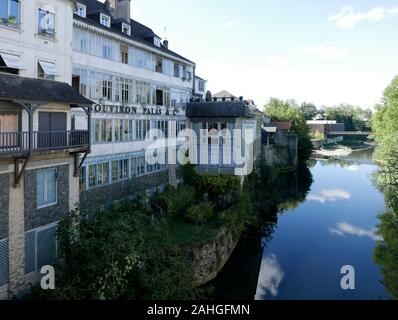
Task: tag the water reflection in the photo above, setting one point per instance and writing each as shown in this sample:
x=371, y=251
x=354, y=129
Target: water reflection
x=307, y=236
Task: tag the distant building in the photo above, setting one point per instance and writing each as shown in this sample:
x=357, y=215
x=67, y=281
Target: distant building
x=224, y=96
x=323, y=127
x=285, y=126
x=200, y=88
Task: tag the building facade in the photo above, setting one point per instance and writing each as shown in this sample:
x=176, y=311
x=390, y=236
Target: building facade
x=138, y=84
x=39, y=144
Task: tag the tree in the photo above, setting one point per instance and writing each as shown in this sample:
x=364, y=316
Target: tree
x=279, y=110
x=385, y=131
x=309, y=110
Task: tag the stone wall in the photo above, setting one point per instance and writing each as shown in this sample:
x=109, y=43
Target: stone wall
x=4, y=200
x=35, y=217
x=210, y=258
x=284, y=152
x=104, y=196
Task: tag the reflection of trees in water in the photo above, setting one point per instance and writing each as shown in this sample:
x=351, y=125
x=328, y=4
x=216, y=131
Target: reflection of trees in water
x=386, y=252
x=270, y=190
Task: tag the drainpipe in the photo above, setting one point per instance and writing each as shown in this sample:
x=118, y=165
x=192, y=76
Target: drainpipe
x=193, y=81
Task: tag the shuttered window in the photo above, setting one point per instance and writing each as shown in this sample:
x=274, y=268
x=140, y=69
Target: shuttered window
x=3, y=262
x=46, y=187
x=40, y=248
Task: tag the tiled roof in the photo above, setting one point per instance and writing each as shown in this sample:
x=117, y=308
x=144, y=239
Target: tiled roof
x=139, y=32
x=14, y=87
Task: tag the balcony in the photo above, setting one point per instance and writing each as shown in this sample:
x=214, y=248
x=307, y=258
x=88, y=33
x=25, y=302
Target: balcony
x=18, y=143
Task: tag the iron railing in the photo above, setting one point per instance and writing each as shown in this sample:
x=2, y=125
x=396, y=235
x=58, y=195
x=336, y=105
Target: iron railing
x=19, y=142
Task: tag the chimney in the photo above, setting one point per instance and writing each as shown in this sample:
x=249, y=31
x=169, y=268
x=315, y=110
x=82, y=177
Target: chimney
x=121, y=9
x=166, y=44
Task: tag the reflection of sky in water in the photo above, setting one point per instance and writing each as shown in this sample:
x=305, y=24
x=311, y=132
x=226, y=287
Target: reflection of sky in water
x=271, y=276
x=330, y=195
x=344, y=229
x=334, y=227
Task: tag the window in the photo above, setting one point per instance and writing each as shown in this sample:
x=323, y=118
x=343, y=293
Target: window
x=201, y=85
x=141, y=129
x=176, y=70
x=126, y=29
x=92, y=176
x=46, y=22
x=140, y=166
x=10, y=63
x=46, y=70
x=159, y=97
x=10, y=13
x=143, y=92
x=102, y=130
x=156, y=41
x=124, y=54
x=159, y=64
x=105, y=20
x=107, y=89
x=46, y=188
x=107, y=52
x=163, y=126
x=120, y=170
x=81, y=10
x=189, y=76
x=102, y=173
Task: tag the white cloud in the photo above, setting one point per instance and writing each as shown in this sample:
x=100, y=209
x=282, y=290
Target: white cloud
x=278, y=61
x=230, y=24
x=270, y=278
x=325, y=52
x=344, y=229
x=347, y=18
x=329, y=195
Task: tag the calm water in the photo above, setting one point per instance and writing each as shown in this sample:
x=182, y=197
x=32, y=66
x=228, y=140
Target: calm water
x=302, y=254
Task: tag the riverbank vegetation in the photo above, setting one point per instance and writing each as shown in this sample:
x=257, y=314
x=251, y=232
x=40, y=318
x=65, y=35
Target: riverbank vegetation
x=385, y=128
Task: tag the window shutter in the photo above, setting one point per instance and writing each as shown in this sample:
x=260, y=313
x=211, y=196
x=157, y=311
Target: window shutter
x=46, y=247
x=3, y=262
x=30, y=252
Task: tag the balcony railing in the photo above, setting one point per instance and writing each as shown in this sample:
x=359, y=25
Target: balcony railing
x=19, y=142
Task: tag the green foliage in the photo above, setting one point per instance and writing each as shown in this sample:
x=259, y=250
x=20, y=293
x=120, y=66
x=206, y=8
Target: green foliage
x=309, y=110
x=215, y=186
x=386, y=252
x=175, y=201
x=120, y=254
x=354, y=118
x=385, y=132
x=200, y=213
x=279, y=110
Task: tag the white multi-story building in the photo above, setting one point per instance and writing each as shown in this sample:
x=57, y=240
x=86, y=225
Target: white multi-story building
x=200, y=87
x=138, y=84
x=39, y=146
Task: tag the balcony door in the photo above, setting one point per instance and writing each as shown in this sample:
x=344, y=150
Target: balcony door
x=9, y=125
x=52, y=130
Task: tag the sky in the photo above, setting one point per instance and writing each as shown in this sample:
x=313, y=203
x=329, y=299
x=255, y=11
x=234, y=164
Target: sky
x=325, y=52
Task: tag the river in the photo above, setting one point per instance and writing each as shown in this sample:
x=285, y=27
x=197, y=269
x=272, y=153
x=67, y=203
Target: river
x=302, y=250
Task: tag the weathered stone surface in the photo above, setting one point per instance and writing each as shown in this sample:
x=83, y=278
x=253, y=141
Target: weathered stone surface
x=16, y=240
x=211, y=257
x=35, y=217
x=104, y=196
x=4, y=200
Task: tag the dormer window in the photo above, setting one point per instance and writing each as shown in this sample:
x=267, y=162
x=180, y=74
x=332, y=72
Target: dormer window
x=80, y=10
x=105, y=20
x=126, y=29
x=156, y=41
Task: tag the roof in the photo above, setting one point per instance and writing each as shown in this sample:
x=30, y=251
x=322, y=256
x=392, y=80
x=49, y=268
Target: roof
x=233, y=109
x=321, y=122
x=14, y=87
x=281, y=125
x=200, y=78
x=270, y=129
x=223, y=94
x=139, y=32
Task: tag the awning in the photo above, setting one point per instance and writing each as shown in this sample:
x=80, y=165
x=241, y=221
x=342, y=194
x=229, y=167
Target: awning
x=12, y=61
x=49, y=68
